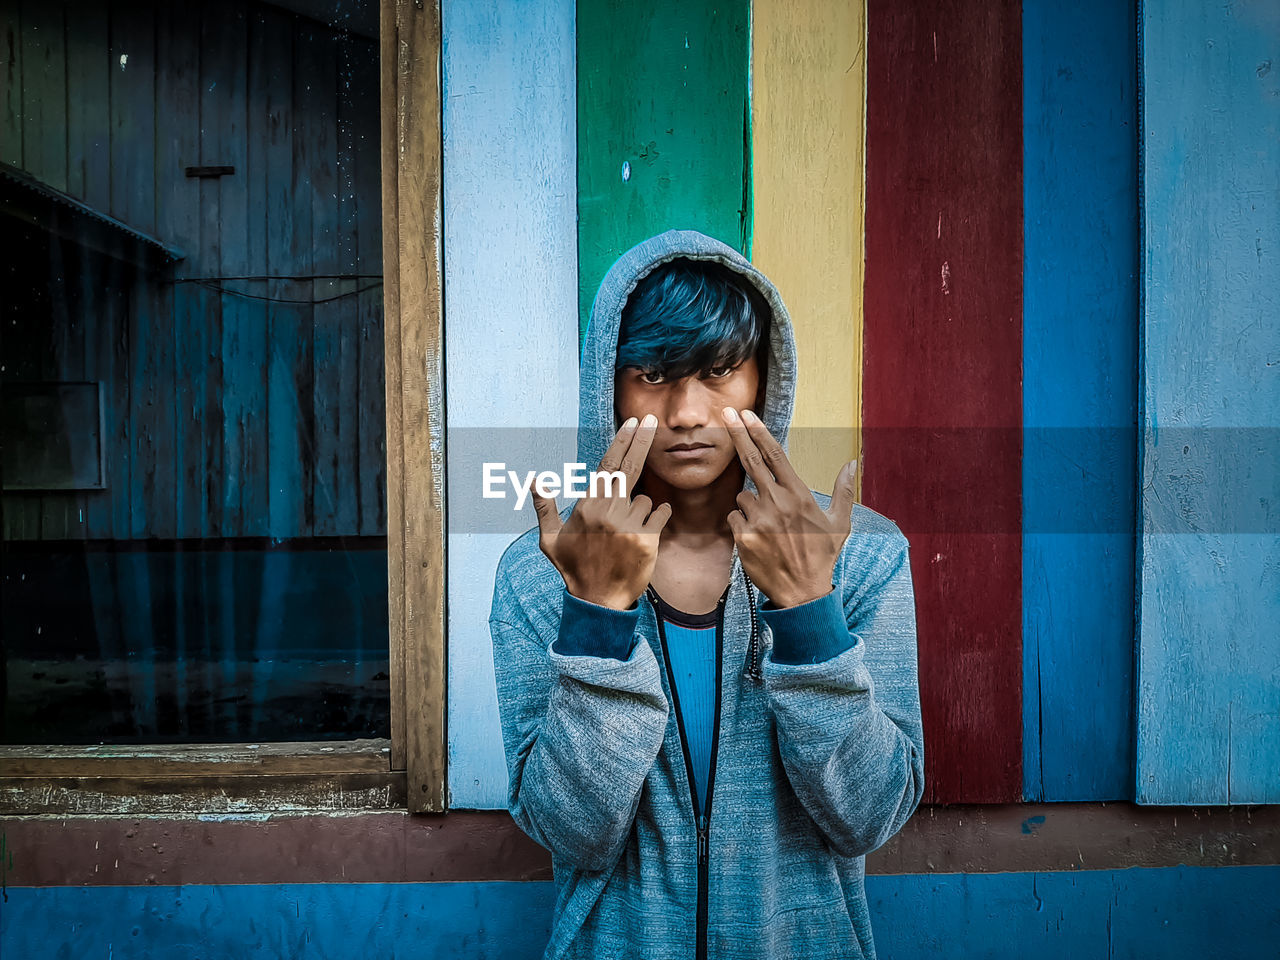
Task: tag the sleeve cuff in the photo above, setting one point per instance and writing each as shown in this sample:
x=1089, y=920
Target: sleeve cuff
x=808, y=633
x=590, y=630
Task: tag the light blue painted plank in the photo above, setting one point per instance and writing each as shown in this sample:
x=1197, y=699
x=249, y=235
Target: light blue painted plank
x=1175, y=913
x=1208, y=702
x=1080, y=388
x=511, y=276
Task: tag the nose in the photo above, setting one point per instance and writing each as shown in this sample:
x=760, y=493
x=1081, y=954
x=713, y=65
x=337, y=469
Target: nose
x=689, y=405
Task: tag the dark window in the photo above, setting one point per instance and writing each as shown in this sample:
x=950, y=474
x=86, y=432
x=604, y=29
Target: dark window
x=193, y=508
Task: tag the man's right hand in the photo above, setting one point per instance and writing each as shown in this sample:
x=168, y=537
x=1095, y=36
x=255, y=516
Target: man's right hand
x=607, y=550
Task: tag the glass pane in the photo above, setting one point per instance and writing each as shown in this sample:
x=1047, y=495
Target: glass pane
x=191, y=375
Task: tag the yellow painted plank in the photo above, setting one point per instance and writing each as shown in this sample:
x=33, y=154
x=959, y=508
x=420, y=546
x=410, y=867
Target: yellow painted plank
x=808, y=78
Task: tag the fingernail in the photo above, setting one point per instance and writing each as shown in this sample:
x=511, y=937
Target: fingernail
x=649, y=420
x=750, y=417
x=730, y=414
x=629, y=423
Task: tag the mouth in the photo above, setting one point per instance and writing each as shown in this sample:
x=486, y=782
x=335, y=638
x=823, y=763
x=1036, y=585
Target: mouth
x=689, y=451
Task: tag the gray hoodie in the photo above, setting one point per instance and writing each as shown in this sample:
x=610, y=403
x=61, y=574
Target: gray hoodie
x=813, y=764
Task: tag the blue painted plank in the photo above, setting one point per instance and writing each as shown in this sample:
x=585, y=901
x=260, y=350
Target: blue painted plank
x=1079, y=398
x=1208, y=702
x=1228, y=913
x=511, y=275
x=1175, y=913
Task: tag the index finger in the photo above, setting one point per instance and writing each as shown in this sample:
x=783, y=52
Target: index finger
x=774, y=456
x=751, y=457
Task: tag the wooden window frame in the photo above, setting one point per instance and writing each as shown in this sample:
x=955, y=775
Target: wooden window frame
x=409, y=769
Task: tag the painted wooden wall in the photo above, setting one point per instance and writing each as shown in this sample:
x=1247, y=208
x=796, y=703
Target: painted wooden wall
x=511, y=295
x=1208, y=674
x=234, y=407
x=942, y=348
x=1079, y=398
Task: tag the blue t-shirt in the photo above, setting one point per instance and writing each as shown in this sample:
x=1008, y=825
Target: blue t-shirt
x=691, y=652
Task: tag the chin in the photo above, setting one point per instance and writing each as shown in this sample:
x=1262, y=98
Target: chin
x=690, y=476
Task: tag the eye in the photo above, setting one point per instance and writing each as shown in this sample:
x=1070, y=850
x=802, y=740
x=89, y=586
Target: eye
x=652, y=376
x=721, y=371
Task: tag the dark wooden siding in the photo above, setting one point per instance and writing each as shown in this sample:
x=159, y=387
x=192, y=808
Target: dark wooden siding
x=233, y=407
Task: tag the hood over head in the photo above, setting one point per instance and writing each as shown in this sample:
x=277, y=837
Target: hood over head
x=596, y=422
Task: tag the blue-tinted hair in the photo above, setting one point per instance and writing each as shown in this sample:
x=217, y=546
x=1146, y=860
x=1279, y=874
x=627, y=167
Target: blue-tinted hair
x=691, y=316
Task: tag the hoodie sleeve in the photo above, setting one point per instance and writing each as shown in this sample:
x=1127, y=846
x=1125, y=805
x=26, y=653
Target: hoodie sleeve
x=581, y=730
x=849, y=727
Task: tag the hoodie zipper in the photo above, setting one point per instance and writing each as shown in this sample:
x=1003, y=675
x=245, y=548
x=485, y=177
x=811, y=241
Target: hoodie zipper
x=702, y=818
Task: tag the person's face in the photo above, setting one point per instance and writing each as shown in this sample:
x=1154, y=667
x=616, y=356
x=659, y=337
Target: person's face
x=692, y=448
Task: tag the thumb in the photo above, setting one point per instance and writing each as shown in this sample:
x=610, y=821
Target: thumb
x=844, y=493
x=548, y=516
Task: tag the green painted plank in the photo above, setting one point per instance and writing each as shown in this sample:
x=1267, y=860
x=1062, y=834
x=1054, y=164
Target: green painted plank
x=663, y=137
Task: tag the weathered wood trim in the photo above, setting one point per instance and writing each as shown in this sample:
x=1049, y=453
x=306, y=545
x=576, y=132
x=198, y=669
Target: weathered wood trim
x=210, y=794
x=176, y=761
x=391, y=340
x=344, y=846
x=419, y=380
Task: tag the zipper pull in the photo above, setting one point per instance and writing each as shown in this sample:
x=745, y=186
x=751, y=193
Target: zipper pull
x=702, y=839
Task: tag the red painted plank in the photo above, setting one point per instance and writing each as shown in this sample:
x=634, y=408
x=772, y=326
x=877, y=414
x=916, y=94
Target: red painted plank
x=942, y=403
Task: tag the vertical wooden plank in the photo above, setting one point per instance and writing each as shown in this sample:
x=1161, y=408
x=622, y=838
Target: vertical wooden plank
x=808, y=84
x=372, y=453
x=88, y=113
x=389, y=141
x=662, y=127
x=1079, y=400
x=1208, y=707
x=271, y=63
x=107, y=359
x=244, y=314
x=11, y=120
x=942, y=401
x=133, y=190
x=133, y=115
x=61, y=512
x=44, y=92
x=207, y=335
x=179, y=222
x=302, y=251
x=334, y=411
x=509, y=176
x=418, y=195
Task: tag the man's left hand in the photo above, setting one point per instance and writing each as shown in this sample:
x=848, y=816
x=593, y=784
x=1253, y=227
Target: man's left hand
x=787, y=543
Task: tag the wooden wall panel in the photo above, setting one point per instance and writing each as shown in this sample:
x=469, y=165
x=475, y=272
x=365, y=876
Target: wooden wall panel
x=663, y=139
x=44, y=91
x=942, y=401
x=1080, y=388
x=808, y=85
x=1208, y=684
x=11, y=89
x=509, y=215
x=210, y=378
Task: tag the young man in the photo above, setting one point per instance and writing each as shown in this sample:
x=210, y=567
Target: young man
x=707, y=687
